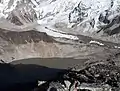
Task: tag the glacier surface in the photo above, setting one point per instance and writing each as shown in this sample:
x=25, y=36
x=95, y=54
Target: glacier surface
x=88, y=15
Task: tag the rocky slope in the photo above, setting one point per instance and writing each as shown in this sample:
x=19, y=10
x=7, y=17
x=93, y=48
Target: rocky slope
x=29, y=44
x=81, y=32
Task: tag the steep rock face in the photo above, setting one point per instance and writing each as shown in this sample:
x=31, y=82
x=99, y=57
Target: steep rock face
x=97, y=15
x=22, y=15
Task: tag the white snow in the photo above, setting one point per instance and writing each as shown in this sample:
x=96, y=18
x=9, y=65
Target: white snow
x=117, y=47
x=96, y=42
x=11, y=7
x=93, y=9
x=54, y=11
x=55, y=33
x=50, y=12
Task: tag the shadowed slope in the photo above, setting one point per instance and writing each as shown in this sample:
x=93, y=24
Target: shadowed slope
x=23, y=77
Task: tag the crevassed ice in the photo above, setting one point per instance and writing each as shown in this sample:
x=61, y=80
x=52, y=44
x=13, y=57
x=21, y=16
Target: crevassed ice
x=100, y=12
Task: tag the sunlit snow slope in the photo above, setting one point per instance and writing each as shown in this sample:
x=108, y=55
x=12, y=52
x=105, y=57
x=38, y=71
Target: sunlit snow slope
x=55, y=16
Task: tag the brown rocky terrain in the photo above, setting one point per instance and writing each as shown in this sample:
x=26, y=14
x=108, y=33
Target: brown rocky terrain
x=31, y=44
x=37, y=48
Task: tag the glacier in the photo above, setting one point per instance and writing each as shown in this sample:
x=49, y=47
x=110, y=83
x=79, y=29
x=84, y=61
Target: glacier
x=99, y=14
x=75, y=15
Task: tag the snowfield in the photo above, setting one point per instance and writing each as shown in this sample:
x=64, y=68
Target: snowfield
x=80, y=16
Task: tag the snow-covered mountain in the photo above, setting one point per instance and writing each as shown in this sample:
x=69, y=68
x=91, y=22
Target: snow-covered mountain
x=66, y=24
x=99, y=14
x=60, y=15
x=41, y=11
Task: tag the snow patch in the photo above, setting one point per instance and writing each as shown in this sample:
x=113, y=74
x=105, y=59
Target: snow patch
x=117, y=47
x=56, y=33
x=96, y=42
